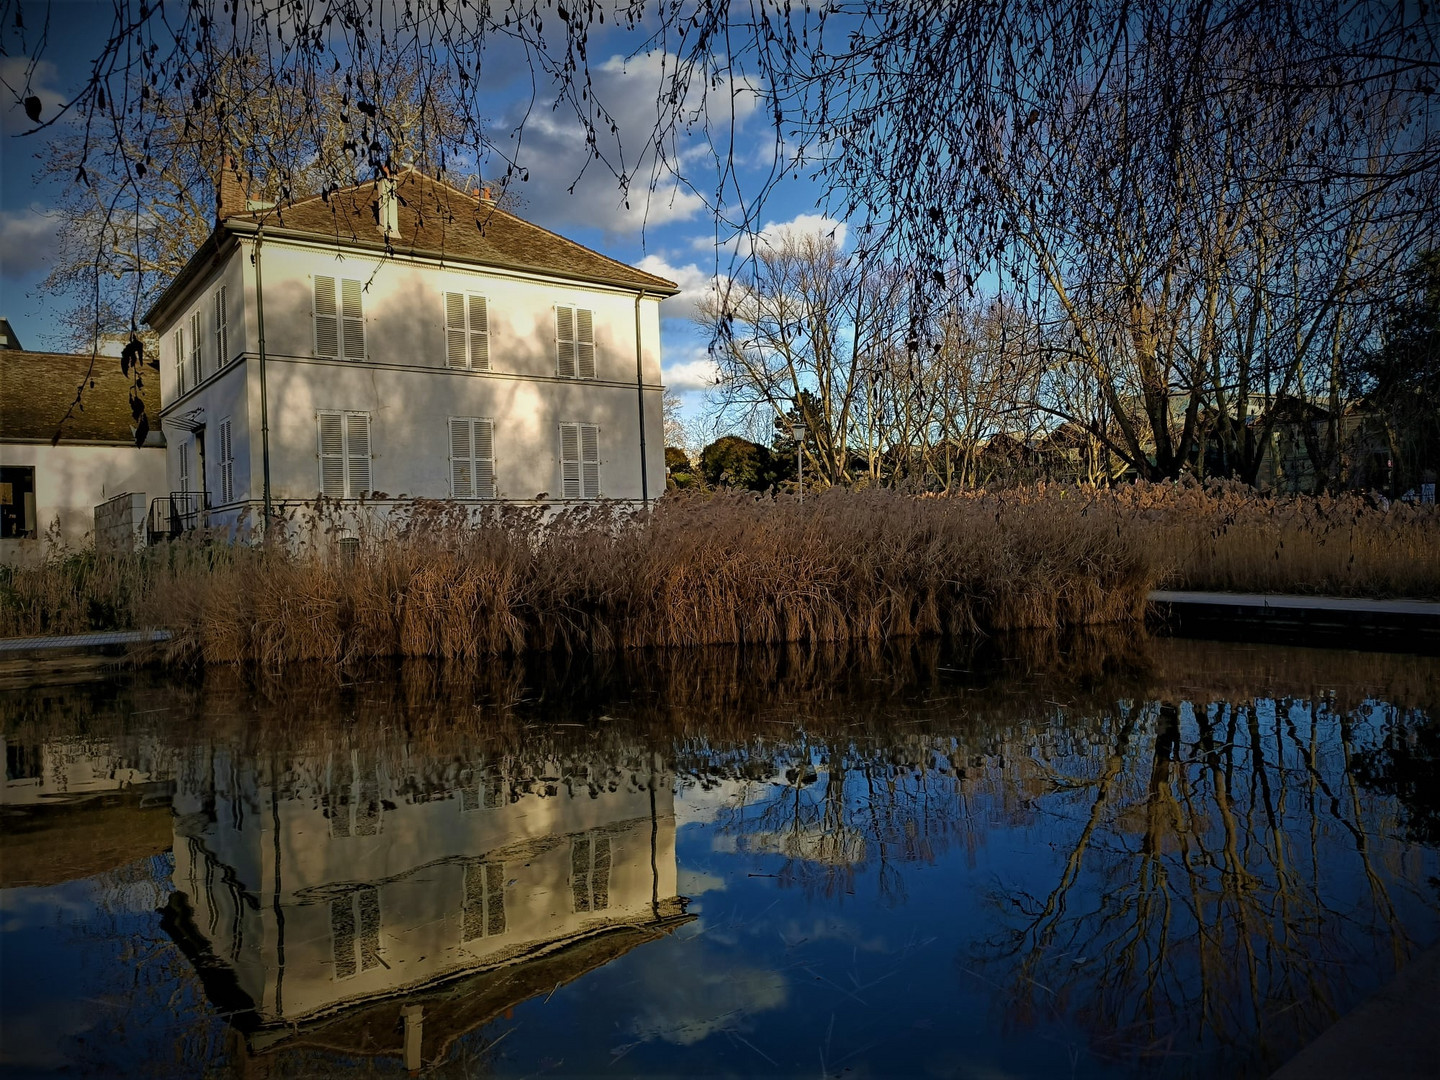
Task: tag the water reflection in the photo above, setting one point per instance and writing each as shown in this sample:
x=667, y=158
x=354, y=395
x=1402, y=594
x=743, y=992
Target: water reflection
x=1099, y=859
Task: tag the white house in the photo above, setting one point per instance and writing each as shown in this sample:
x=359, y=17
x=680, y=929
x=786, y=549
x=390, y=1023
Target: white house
x=402, y=340
x=57, y=462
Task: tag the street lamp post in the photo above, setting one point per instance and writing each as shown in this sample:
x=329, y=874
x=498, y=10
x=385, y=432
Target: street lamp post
x=797, y=432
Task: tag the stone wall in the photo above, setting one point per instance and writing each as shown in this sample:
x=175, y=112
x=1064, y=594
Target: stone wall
x=120, y=523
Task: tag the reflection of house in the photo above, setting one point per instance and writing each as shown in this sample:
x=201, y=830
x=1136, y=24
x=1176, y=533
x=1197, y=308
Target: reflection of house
x=416, y=340
x=63, y=770
x=310, y=889
x=44, y=482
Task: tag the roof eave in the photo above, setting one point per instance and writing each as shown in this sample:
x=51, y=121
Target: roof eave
x=203, y=254
x=661, y=287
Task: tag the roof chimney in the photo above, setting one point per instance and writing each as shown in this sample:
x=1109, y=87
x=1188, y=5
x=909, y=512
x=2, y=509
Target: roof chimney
x=231, y=190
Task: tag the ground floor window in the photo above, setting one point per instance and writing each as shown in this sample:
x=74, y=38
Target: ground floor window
x=579, y=461
x=17, y=502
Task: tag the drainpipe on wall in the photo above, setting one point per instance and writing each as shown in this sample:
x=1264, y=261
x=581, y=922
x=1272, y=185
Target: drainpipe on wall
x=264, y=404
x=640, y=394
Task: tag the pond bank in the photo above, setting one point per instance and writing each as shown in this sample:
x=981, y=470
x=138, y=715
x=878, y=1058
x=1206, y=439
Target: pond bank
x=1343, y=621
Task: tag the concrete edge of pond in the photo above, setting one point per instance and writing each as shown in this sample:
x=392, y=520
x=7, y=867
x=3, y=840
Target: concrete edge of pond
x=1411, y=626
x=1394, y=1034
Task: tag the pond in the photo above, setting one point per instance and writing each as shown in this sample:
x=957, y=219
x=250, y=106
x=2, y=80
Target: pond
x=1095, y=857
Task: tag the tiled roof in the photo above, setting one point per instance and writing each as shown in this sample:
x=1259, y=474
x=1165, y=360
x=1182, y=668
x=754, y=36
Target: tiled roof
x=437, y=218
x=36, y=390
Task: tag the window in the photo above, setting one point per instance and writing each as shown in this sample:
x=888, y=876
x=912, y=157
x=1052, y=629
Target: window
x=355, y=922
x=183, y=450
x=579, y=461
x=472, y=458
x=590, y=872
x=179, y=362
x=222, y=353
x=339, y=331
x=484, y=900
x=17, y=503
x=467, y=331
x=344, y=454
x=227, y=461
x=196, y=371
x=574, y=342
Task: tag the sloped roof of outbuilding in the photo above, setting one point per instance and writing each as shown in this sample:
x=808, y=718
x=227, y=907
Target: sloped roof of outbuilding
x=37, y=390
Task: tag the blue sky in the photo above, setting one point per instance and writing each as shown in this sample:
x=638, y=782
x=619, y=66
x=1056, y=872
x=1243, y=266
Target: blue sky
x=672, y=232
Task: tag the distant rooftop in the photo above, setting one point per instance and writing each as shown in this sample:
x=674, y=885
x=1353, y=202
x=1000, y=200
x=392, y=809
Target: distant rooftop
x=37, y=389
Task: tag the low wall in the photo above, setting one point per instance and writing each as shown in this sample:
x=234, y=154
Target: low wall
x=120, y=523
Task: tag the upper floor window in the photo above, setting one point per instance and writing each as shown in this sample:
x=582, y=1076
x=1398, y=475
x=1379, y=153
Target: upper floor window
x=472, y=458
x=196, y=368
x=484, y=900
x=579, y=461
x=222, y=349
x=467, y=331
x=339, y=327
x=344, y=454
x=574, y=342
x=179, y=362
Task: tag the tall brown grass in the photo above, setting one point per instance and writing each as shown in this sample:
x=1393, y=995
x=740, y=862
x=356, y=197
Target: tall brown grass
x=439, y=580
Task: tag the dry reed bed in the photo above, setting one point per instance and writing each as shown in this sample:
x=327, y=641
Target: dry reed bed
x=846, y=565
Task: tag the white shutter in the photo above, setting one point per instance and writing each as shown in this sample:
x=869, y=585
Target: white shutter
x=484, y=459
x=570, y=461
x=357, y=454
x=590, y=461
x=184, y=449
x=179, y=362
x=462, y=460
x=565, y=341
x=327, y=326
x=332, y=455
x=196, y=370
x=352, y=320
x=222, y=354
x=479, y=334
x=455, y=330
x=227, y=463
x=585, y=343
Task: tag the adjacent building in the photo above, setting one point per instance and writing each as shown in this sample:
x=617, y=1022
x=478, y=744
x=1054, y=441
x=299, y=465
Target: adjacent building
x=67, y=444
x=400, y=340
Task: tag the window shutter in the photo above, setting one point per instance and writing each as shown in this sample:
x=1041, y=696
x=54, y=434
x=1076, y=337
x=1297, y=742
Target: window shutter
x=570, y=461
x=455, y=329
x=357, y=453
x=227, y=463
x=196, y=371
x=462, y=482
x=184, y=465
x=590, y=461
x=565, y=341
x=353, y=320
x=332, y=455
x=222, y=354
x=484, y=459
x=479, y=334
x=179, y=362
x=327, y=326
x=585, y=343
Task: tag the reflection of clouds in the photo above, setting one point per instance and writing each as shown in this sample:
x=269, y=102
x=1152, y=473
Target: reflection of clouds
x=35, y=908
x=716, y=994
x=33, y=1038
x=697, y=882
x=795, y=933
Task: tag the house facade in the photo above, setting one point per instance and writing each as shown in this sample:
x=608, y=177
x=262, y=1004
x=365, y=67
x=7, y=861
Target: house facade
x=404, y=340
x=59, y=460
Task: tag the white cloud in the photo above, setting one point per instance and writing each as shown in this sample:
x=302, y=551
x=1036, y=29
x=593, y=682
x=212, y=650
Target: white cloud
x=40, y=82
x=695, y=285
x=695, y=370
x=774, y=233
x=553, y=149
x=28, y=242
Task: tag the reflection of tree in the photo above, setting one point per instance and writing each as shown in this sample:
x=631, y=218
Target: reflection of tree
x=1406, y=765
x=1203, y=898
